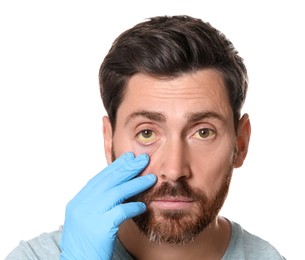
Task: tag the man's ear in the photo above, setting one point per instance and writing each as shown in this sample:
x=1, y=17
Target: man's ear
x=243, y=139
x=107, y=133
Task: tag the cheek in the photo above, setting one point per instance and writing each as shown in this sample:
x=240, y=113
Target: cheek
x=121, y=144
x=209, y=170
x=211, y=165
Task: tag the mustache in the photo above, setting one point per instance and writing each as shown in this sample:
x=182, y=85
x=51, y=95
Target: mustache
x=167, y=189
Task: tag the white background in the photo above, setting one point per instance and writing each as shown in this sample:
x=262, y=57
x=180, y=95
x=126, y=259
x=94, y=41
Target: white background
x=50, y=109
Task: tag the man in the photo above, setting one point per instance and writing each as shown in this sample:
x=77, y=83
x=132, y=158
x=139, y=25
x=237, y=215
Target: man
x=173, y=89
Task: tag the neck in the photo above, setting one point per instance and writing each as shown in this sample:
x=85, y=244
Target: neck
x=209, y=244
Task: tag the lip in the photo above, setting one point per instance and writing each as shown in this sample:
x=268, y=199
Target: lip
x=172, y=203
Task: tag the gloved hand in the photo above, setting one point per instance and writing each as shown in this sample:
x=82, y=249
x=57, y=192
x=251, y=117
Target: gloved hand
x=94, y=215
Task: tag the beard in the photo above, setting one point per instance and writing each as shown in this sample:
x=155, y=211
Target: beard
x=179, y=226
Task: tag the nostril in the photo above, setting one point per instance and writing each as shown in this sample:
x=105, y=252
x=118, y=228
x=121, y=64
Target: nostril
x=163, y=176
x=171, y=176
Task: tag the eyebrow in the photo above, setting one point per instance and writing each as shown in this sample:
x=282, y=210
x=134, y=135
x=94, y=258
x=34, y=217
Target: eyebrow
x=159, y=117
x=197, y=116
x=154, y=116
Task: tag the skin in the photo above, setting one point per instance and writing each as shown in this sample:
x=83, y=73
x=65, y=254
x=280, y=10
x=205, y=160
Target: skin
x=163, y=118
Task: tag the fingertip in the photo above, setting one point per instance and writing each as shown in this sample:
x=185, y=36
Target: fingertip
x=152, y=176
x=142, y=206
x=126, y=211
x=143, y=156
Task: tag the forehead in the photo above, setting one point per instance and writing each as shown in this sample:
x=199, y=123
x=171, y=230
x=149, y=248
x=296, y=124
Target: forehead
x=203, y=90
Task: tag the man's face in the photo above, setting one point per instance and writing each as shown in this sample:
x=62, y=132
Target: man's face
x=185, y=125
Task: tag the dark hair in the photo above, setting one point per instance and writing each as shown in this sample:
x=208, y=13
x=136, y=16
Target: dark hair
x=168, y=46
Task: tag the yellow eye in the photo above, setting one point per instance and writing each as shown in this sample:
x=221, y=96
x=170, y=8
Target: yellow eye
x=146, y=136
x=204, y=133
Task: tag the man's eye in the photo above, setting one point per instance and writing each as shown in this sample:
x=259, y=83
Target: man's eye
x=146, y=136
x=204, y=133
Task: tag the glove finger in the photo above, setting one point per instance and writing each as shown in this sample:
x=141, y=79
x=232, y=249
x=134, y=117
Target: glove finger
x=112, y=167
x=121, y=170
x=126, y=172
x=131, y=188
x=122, y=212
x=101, y=201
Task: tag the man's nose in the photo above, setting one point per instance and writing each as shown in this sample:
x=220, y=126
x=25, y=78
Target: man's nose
x=173, y=161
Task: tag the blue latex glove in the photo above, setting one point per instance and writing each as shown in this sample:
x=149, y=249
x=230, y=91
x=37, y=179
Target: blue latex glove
x=94, y=215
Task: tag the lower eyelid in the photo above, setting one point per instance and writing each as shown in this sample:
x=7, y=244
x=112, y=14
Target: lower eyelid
x=143, y=144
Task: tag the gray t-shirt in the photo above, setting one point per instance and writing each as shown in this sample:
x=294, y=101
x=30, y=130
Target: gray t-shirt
x=243, y=245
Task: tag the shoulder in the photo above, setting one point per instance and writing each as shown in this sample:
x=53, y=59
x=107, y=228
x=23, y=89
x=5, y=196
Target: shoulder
x=44, y=246
x=244, y=245
x=120, y=252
